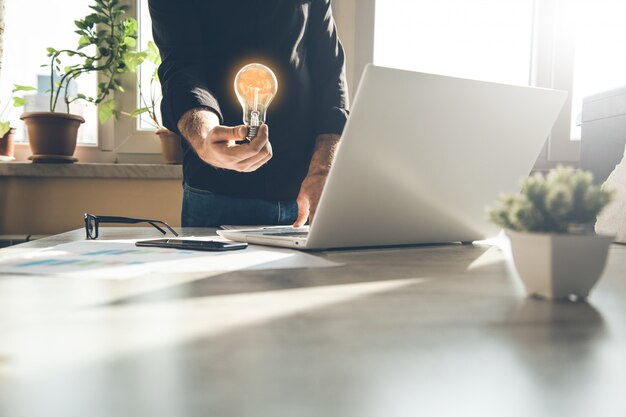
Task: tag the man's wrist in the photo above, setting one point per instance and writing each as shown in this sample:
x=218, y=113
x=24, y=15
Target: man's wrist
x=198, y=122
x=195, y=125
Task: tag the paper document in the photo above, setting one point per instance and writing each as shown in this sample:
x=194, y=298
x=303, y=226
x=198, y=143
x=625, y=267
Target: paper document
x=122, y=260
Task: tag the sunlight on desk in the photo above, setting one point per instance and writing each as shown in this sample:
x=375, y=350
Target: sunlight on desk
x=58, y=343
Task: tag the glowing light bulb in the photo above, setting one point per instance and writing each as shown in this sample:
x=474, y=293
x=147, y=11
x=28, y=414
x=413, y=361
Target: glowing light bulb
x=256, y=86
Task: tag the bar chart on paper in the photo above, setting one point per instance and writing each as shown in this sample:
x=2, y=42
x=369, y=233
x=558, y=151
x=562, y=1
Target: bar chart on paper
x=118, y=260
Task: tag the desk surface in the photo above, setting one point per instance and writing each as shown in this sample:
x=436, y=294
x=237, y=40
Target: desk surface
x=420, y=331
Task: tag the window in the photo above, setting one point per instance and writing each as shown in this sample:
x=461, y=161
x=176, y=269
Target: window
x=600, y=53
x=122, y=140
x=25, y=52
x=146, y=70
x=456, y=37
x=573, y=45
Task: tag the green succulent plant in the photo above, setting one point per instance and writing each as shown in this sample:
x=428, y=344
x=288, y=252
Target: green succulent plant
x=114, y=39
x=563, y=201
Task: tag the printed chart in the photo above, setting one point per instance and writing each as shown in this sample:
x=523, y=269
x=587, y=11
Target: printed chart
x=118, y=260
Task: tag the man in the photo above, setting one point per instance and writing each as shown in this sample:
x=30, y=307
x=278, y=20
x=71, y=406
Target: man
x=264, y=181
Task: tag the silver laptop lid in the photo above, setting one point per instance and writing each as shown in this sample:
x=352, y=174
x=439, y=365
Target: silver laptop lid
x=423, y=154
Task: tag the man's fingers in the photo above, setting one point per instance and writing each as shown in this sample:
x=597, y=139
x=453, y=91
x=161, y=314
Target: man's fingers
x=264, y=131
x=246, y=150
x=263, y=154
x=227, y=133
x=245, y=157
x=258, y=164
x=312, y=214
x=303, y=212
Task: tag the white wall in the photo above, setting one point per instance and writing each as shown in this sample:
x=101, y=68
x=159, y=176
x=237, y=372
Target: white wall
x=355, y=21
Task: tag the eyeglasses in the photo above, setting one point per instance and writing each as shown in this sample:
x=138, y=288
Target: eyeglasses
x=92, y=222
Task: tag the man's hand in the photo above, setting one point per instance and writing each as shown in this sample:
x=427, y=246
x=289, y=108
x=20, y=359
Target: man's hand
x=309, y=197
x=215, y=144
x=313, y=184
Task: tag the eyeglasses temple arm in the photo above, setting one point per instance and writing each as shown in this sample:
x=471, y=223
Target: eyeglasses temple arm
x=128, y=220
x=131, y=220
x=157, y=227
x=169, y=228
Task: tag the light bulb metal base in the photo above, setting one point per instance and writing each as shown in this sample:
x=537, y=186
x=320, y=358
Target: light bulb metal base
x=252, y=132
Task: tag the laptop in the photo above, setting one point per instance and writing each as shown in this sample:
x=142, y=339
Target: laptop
x=420, y=159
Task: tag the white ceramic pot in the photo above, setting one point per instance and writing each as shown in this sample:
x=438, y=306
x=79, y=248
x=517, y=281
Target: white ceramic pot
x=559, y=266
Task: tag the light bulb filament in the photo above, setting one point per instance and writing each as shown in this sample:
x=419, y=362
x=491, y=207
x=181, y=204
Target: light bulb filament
x=256, y=99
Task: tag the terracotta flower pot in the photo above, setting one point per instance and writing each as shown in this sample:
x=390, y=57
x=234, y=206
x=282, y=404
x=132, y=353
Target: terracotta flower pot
x=52, y=136
x=170, y=147
x=7, y=146
x=559, y=266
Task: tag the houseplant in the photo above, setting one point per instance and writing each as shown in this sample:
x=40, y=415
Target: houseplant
x=6, y=131
x=170, y=141
x=106, y=41
x=550, y=224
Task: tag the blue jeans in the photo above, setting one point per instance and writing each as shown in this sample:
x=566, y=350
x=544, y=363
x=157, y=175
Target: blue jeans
x=203, y=208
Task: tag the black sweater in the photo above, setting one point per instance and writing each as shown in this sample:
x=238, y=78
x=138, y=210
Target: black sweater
x=204, y=43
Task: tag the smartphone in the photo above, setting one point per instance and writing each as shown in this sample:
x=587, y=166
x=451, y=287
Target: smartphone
x=206, y=245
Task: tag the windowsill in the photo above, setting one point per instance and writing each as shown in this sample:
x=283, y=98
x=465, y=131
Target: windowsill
x=91, y=170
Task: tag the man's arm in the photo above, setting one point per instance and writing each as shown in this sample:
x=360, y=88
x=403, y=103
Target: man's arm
x=176, y=28
x=189, y=107
x=313, y=184
x=330, y=104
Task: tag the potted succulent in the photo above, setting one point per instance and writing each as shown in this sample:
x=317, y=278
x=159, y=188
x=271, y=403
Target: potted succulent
x=170, y=141
x=106, y=41
x=550, y=225
x=6, y=131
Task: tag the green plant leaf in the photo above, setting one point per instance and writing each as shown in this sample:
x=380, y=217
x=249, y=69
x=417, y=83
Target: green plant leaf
x=106, y=110
x=19, y=101
x=4, y=128
x=17, y=87
x=152, y=53
x=139, y=112
x=83, y=42
x=130, y=42
x=98, y=9
x=131, y=25
x=134, y=59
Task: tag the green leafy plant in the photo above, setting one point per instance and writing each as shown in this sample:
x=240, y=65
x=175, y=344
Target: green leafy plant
x=14, y=101
x=114, y=39
x=149, y=103
x=563, y=201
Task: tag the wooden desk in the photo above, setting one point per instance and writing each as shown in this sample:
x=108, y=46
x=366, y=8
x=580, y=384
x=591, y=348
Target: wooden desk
x=421, y=331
